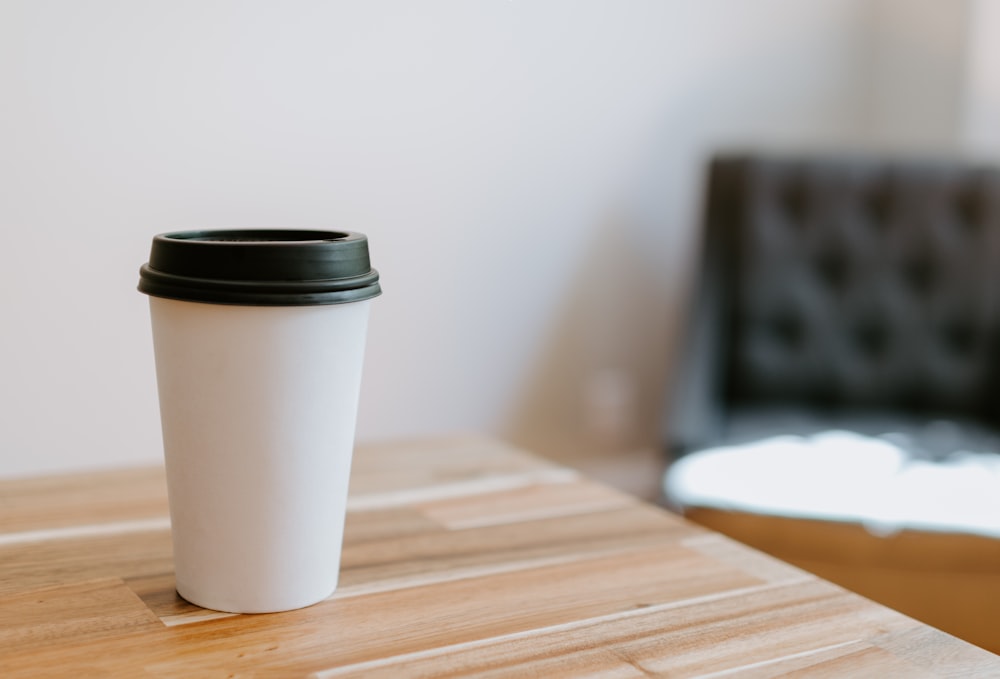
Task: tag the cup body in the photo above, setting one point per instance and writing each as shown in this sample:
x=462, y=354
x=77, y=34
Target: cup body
x=258, y=407
x=259, y=337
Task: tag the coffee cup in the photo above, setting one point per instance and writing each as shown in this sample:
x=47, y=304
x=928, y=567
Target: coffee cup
x=259, y=340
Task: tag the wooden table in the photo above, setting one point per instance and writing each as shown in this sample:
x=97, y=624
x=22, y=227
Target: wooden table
x=462, y=557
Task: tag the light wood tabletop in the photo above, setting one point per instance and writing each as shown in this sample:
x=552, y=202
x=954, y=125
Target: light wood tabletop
x=462, y=557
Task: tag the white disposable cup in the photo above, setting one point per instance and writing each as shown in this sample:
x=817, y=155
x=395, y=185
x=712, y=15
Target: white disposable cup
x=258, y=407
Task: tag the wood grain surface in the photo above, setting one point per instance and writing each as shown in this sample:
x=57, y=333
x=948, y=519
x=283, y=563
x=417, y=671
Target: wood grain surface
x=462, y=557
x=948, y=580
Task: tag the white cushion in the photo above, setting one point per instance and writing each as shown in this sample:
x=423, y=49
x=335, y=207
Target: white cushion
x=844, y=476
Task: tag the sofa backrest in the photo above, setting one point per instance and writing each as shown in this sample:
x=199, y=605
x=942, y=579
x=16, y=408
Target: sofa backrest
x=856, y=283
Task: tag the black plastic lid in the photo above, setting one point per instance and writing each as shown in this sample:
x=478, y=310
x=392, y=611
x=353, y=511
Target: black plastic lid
x=260, y=267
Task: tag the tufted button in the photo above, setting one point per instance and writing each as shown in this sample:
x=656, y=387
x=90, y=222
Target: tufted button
x=793, y=200
x=788, y=330
x=920, y=273
x=832, y=268
x=958, y=337
x=871, y=337
x=969, y=208
x=876, y=203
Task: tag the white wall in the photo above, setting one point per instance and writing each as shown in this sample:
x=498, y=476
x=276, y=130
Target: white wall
x=528, y=174
x=915, y=79
x=981, y=95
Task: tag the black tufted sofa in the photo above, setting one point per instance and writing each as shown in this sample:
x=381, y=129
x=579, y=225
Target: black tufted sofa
x=844, y=292
x=859, y=295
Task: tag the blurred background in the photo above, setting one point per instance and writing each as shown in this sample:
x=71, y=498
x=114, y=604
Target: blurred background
x=529, y=174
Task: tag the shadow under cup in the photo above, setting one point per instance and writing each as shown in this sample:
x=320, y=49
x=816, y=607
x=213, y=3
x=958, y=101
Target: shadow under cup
x=259, y=340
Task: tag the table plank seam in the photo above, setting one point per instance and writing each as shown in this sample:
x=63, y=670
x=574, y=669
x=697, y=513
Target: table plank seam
x=85, y=531
x=548, y=629
x=774, y=661
x=541, y=514
x=458, y=489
